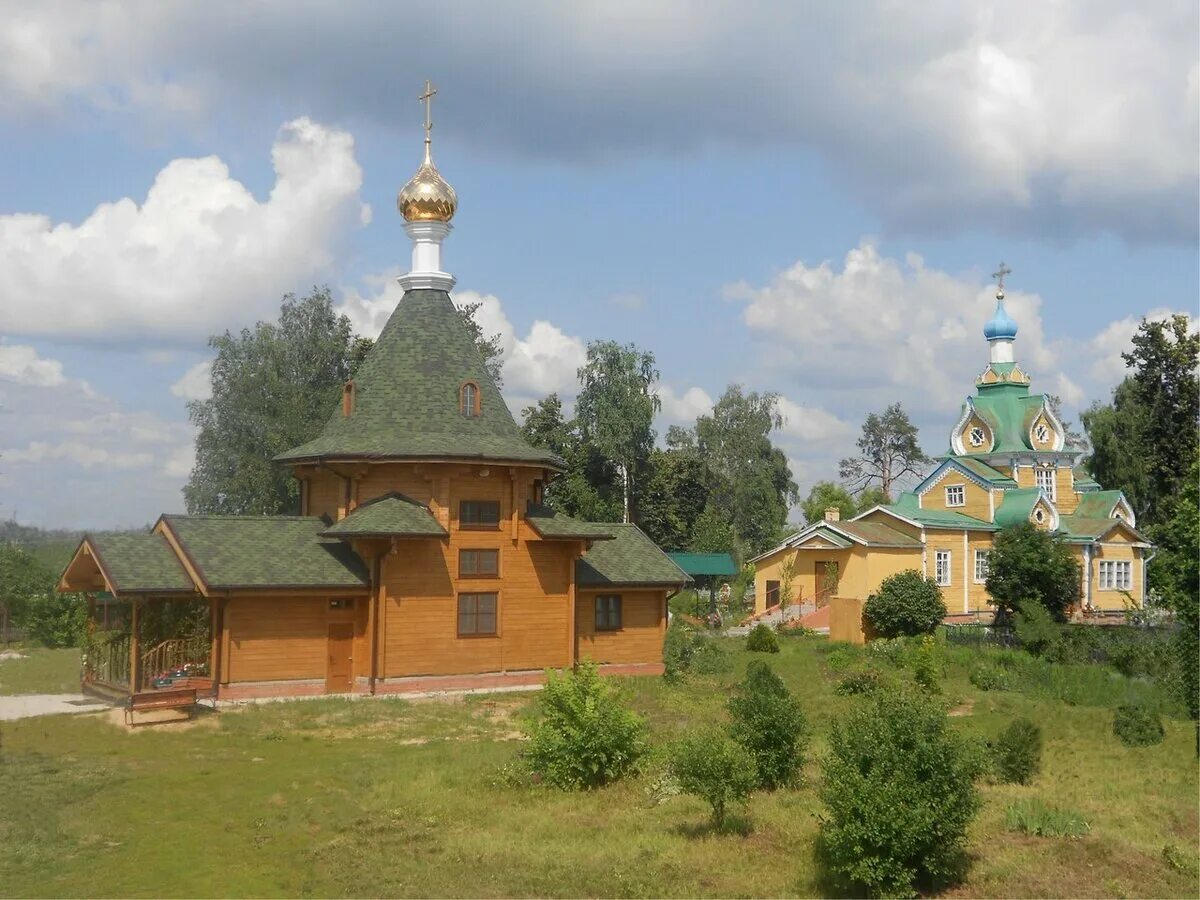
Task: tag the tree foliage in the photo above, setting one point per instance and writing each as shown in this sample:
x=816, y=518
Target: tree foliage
x=27, y=593
x=672, y=498
x=769, y=722
x=710, y=765
x=906, y=604
x=888, y=451
x=1028, y=565
x=825, y=494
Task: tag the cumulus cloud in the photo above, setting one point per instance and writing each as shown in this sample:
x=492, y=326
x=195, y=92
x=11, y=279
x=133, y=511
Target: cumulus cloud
x=1077, y=116
x=195, y=383
x=1107, y=366
x=683, y=407
x=23, y=365
x=199, y=254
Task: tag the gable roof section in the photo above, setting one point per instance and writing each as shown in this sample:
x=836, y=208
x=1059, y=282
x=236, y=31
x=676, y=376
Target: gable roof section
x=817, y=533
x=876, y=534
x=134, y=564
x=630, y=559
x=705, y=564
x=278, y=552
x=843, y=534
x=406, y=396
x=1098, y=504
x=1086, y=529
x=389, y=515
x=553, y=525
x=1017, y=506
x=1010, y=414
x=975, y=470
x=906, y=509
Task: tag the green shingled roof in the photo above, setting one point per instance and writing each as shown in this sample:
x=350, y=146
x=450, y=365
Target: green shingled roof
x=1097, y=504
x=877, y=534
x=1017, y=506
x=906, y=506
x=407, y=396
x=630, y=558
x=1084, y=528
x=551, y=524
x=140, y=563
x=266, y=551
x=389, y=515
x=705, y=564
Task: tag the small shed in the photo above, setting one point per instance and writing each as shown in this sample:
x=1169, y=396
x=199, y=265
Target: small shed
x=707, y=570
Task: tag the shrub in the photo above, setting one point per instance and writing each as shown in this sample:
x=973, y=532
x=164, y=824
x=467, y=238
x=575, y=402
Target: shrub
x=1038, y=632
x=1017, y=754
x=1035, y=818
x=762, y=639
x=585, y=738
x=1137, y=726
x=927, y=665
x=892, y=650
x=863, y=681
x=769, y=723
x=1028, y=565
x=989, y=678
x=677, y=651
x=718, y=770
x=841, y=657
x=709, y=656
x=905, y=604
x=687, y=650
x=899, y=795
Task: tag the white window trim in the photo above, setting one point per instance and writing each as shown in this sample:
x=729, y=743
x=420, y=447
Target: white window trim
x=945, y=572
x=981, y=556
x=1116, y=575
x=956, y=487
x=1052, y=490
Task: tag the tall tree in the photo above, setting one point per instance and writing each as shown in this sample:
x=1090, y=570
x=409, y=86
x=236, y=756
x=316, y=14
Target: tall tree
x=273, y=387
x=672, y=497
x=1073, y=438
x=823, y=495
x=615, y=409
x=586, y=490
x=1118, y=459
x=750, y=484
x=888, y=451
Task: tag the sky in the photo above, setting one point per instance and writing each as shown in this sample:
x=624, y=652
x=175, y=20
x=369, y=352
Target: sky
x=801, y=198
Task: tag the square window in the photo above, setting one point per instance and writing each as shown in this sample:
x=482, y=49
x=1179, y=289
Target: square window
x=1116, y=575
x=941, y=567
x=956, y=495
x=479, y=515
x=608, y=612
x=478, y=563
x=982, y=566
x=476, y=615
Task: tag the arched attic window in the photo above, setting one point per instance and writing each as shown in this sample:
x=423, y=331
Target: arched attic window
x=348, y=392
x=468, y=399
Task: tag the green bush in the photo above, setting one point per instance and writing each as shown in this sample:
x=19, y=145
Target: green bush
x=1017, y=753
x=584, y=738
x=769, y=723
x=1038, y=632
x=862, y=681
x=905, y=604
x=677, y=651
x=718, y=770
x=687, y=650
x=989, y=678
x=899, y=795
x=892, y=650
x=842, y=657
x=762, y=639
x=1035, y=818
x=927, y=665
x=1137, y=726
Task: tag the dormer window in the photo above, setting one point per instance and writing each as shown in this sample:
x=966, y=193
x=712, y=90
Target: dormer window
x=468, y=399
x=1039, y=516
x=348, y=392
x=956, y=495
x=976, y=437
x=1042, y=433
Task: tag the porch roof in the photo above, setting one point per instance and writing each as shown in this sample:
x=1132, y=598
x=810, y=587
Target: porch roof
x=389, y=515
x=551, y=524
x=129, y=564
x=630, y=558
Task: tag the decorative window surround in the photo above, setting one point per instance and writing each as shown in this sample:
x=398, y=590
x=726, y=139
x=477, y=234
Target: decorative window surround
x=1116, y=575
x=982, y=566
x=956, y=495
x=941, y=567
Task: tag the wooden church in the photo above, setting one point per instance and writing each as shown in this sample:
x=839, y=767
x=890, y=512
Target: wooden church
x=423, y=557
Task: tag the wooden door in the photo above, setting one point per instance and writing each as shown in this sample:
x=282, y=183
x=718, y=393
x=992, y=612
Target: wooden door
x=827, y=581
x=339, y=674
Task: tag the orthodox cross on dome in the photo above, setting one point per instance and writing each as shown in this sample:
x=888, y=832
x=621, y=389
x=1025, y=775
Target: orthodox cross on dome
x=999, y=275
x=427, y=99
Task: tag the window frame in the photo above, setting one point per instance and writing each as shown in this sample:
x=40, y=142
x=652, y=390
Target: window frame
x=938, y=556
x=596, y=613
x=465, y=525
x=972, y=431
x=475, y=596
x=961, y=492
x=1052, y=489
x=1109, y=571
x=984, y=557
x=474, y=408
x=1041, y=433
x=462, y=569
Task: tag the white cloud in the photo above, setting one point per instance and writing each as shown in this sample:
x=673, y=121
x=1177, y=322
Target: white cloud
x=23, y=365
x=811, y=424
x=1104, y=350
x=683, y=408
x=199, y=254
x=1078, y=116
x=195, y=383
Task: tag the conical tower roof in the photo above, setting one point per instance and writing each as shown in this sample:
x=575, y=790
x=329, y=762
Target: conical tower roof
x=406, y=397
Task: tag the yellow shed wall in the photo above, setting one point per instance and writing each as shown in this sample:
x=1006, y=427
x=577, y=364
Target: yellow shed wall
x=643, y=625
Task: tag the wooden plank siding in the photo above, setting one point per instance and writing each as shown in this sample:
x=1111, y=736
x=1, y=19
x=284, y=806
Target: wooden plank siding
x=643, y=626
x=286, y=638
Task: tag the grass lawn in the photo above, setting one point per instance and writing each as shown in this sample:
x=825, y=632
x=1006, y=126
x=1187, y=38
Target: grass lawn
x=42, y=671
x=391, y=797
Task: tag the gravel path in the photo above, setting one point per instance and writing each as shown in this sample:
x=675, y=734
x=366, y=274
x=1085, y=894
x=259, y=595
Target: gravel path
x=25, y=706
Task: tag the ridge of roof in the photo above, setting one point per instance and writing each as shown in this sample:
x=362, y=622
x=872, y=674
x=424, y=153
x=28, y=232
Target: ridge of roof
x=551, y=524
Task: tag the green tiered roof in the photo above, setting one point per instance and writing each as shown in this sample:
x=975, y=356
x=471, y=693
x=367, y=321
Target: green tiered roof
x=629, y=559
x=906, y=506
x=389, y=515
x=1017, y=506
x=406, y=396
x=1098, y=504
x=139, y=563
x=1009, y=413
x=551, y=524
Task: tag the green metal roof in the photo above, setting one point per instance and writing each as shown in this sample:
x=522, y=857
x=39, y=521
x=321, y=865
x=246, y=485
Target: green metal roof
x=1084, y=481
x=1009, y=413
x=140, y=563
x=406, y=396
x=389, y=515
x=906, y=506
x=551, y=524
x=266, y=552
x=630, y=558
x=1017, y=506
x=705, y=564
x=1079, y=528
x=1097, y=504
x=994, y=477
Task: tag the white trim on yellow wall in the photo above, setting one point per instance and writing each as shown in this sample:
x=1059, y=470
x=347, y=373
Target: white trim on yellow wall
x=966, y=575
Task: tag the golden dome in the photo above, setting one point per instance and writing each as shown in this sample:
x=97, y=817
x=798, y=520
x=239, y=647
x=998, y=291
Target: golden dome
x=427, y=197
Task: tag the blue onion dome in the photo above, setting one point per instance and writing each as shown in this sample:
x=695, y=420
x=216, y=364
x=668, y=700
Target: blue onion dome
x=1001, y=326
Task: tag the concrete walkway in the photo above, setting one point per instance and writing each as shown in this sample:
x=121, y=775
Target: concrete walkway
x=26, y=706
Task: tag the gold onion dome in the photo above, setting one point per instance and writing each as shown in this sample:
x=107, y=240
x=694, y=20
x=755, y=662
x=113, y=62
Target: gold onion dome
x=427, y=197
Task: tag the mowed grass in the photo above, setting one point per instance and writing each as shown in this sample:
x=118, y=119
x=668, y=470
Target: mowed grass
x=41, y=671
x=401, y=798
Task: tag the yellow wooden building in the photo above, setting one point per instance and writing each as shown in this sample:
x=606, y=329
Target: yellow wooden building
x=1008, y=463
x=423, y=556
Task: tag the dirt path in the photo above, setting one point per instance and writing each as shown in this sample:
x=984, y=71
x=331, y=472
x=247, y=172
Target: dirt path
x=25, y=706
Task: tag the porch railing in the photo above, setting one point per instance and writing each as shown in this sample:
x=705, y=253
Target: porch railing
x=175, y=660
x=107, y=662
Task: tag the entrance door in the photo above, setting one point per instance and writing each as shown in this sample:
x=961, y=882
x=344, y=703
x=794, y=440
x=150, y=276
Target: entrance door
x=339, y=675
x=827, y=581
